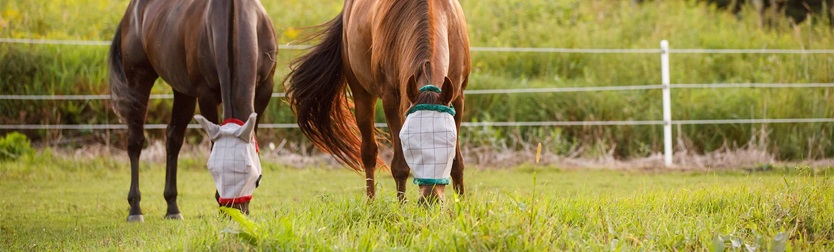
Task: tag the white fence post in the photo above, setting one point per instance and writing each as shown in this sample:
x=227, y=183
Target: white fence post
x=667, y=103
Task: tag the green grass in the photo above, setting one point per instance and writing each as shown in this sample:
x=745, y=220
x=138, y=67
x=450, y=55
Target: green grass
x=57, y=203
x=39, y=69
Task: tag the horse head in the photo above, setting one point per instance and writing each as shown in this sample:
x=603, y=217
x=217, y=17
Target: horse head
x=234, y=163
x=429, y=137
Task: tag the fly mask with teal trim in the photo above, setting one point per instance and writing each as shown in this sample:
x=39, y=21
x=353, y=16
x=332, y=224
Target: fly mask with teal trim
x=428, y=139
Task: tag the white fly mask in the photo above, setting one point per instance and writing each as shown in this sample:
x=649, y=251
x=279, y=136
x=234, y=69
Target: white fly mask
x=428, y=138
x=234, y=161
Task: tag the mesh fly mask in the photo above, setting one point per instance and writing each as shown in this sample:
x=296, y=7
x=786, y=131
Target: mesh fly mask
x=234, y=161
x=428, y=138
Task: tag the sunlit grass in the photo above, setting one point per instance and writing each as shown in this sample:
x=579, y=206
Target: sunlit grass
x=56, y=203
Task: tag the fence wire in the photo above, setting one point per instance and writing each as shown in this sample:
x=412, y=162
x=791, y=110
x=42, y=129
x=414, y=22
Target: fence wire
x=464, y=124
x=488, y=91
x=475, y=92
x=491, y=49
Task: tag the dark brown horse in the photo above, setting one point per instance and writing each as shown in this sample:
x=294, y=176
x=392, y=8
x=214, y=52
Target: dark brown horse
x=385, y=49
x=212, y=51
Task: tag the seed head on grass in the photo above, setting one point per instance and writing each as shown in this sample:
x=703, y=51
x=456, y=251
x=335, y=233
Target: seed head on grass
x=538, y=153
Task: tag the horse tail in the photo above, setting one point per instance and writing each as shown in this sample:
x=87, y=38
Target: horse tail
x=316, y=91
x=120, y=92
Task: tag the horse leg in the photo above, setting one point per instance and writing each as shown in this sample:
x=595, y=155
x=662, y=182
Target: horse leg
x=180, y=116
x=208, y=109
x=457, y=164
x=394, y=117
x=365, y=106
x=134, y=116
x=262, y=96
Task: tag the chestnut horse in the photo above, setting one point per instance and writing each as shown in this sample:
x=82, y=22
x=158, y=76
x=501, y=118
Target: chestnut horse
x=212, y=51
x=386, y=49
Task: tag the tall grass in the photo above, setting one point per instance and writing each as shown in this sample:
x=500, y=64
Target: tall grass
x=41, y=69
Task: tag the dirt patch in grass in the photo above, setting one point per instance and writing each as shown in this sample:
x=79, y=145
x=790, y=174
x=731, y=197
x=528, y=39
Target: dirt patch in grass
x=295, y=155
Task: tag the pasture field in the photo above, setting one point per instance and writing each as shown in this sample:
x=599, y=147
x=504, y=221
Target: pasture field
x=50, y=69
x=54, y=202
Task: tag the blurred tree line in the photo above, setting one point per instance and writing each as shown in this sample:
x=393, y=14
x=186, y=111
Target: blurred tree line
x=771, y=11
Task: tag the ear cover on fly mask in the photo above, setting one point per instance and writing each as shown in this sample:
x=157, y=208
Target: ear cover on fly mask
x=234, y=161
x=428, y=139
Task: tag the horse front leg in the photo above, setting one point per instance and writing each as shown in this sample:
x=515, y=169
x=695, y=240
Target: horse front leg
x=263, y=94
x=457, y=163
x=180, y=117
x=209, y=110
x=394, y=117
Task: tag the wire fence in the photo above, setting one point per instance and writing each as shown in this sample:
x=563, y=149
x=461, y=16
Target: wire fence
x=463, y=124
x=485, y=91
x=666, y=86
x=490, y=49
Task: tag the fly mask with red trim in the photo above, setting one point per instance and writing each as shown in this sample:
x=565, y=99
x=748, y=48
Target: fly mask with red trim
x=234, y=161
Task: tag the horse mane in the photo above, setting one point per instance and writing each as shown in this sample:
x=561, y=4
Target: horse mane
x=428, y=98
x=407, y=40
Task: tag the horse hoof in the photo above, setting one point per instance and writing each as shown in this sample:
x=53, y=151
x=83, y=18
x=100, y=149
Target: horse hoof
x=173, y=217
x=135, y=218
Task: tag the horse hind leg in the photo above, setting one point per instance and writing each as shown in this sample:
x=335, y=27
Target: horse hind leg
x=180, y=117
x=365, y=106
x=131, y=80
x=133, y=113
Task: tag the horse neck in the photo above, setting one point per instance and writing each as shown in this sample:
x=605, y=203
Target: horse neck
x=412, y=40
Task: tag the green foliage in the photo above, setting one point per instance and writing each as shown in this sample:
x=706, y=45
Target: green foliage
x=14, y=145
x=40, y=69
x=250, y=231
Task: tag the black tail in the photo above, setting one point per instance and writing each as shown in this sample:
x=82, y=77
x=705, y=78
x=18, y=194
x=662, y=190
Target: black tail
x=120, y=92
x=316, y=91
